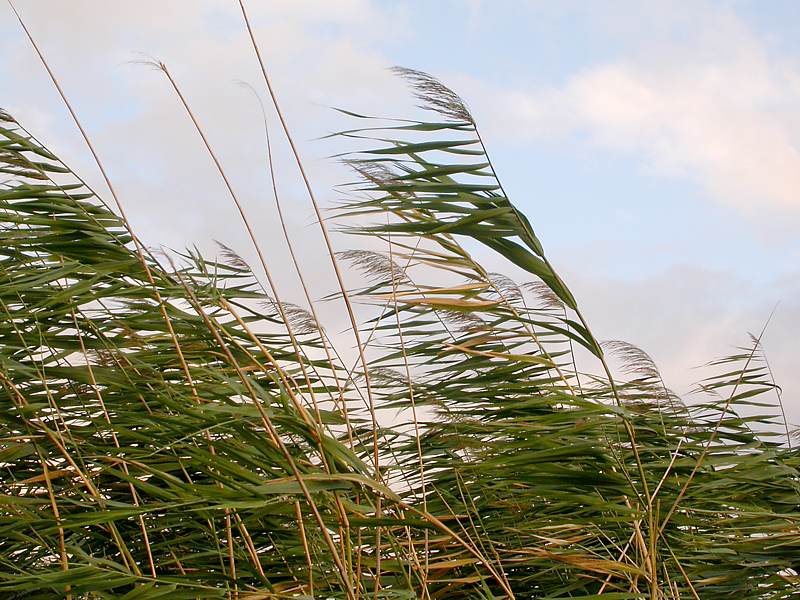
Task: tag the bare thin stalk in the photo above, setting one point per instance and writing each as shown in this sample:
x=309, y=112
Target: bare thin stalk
x=250, y=232
x=327, y=343
x=326, y=236
x=779, y=395
x=309, y=563
x=62, y=548
x=417, y=431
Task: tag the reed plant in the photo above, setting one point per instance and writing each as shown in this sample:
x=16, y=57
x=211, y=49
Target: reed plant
x=172, y=427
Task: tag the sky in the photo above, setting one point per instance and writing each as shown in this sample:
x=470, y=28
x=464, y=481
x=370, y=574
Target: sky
x=654, y=146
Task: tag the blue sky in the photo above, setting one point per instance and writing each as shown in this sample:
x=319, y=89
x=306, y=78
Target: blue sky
x=655, y=146
x=668, y=217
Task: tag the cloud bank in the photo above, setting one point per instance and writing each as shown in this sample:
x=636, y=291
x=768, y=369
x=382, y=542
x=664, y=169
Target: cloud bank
x=697, y=95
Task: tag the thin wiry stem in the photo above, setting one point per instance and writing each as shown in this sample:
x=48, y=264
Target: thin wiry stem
x=251, y=235
x=327, y=344
x=309, y=563
x=779, y=395
x=414, y=416
x=57, y=516
x=326, y=237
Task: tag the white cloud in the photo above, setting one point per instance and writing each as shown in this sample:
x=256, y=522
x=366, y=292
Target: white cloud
x=687, y=316
x=709, y=102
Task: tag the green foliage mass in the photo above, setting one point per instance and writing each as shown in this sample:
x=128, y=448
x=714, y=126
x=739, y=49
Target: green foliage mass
x=168, y=429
